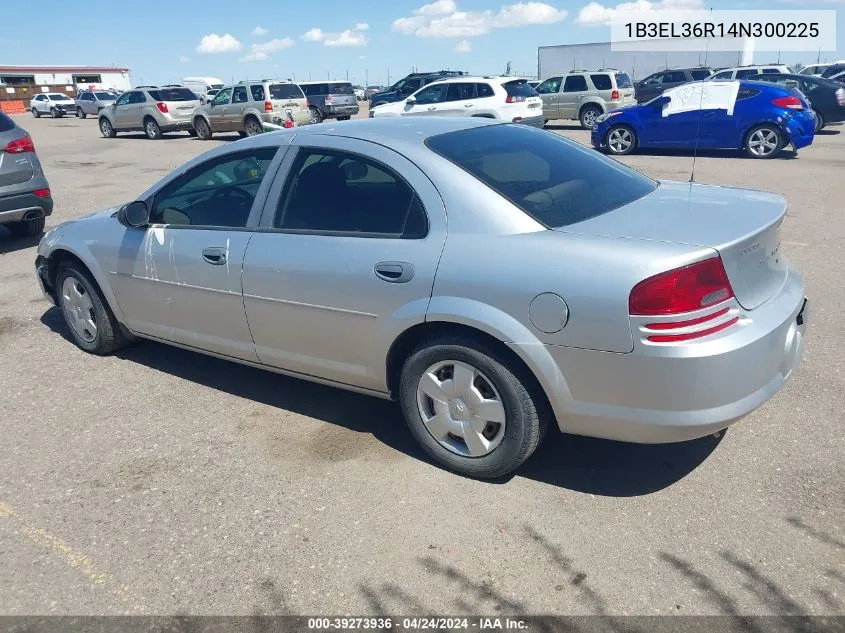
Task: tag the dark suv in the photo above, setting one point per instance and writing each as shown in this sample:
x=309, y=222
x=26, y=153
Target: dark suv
x=409, y=85
x=330, y=100
x=654, y=85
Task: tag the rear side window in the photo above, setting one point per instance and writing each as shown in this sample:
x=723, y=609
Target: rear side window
x=341, y=89
x=257, y=92
x=239, y=94
x=699, y=74
x=623, y=81
x=460, y=92
x=771, y=71
x=484, y=90
x=519, y=88
x=747, y=72
x=173, y=94
x=602, y=82
x=747, y=93
x=6, y=123
x=726, y=74
x=575, y=83
x=674, y=77
x=556, y=181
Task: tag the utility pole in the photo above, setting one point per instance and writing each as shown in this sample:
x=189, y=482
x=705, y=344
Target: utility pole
x=388, y=76
x=347, y=74
x=366, y=78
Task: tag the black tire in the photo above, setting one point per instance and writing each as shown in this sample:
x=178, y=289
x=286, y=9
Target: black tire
x=252, y=126
x=316, y=115
x=151, y=129
x=80, y=113
x=242, y=134
x=527, y=413
x=585, y=115
x=621, y=149
x=36, y=113
x=109, y=337
x=545, y=122
x=192, y=132
x=54, y=113
x=819, y=122
x=765, y=128
x=27, y=228
x=106, y=128
x=203, y=129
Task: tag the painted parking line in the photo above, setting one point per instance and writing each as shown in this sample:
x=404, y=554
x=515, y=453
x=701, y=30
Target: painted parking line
x=73, y=559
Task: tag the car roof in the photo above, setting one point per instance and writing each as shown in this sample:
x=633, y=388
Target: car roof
x=472, y=78
x=327, y=81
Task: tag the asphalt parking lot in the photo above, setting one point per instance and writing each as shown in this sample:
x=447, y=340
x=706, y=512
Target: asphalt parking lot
x=162, y=481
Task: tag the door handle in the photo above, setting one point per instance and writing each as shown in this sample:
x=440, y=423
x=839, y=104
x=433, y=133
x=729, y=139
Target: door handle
x=394, y=272
x=215, y=255
x=432, y=108
x=467, y=105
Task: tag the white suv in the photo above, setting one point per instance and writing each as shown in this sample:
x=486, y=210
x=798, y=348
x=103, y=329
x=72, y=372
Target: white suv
x=505, y=98
x=748, y=72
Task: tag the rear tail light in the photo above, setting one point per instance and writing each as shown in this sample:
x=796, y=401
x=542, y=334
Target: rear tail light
x=614, y=96
x=162, y=107
x=21, y=146
x=840, y=96
x=41, y=193
x=514, y=99
x=680, y=291
x=792, y=103
x=268, y=106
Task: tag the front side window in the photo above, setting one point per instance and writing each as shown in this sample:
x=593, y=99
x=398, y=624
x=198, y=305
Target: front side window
x=219, y=192
x=432, y=94
x=674, y=77
x=222, y=97
x=550, y=86
x=137, y=97
x=123, y=99
x=575, y=83
x=328, y=191
x=652, y=80
x=602, y=82
x=239, y=94
x=554, y=180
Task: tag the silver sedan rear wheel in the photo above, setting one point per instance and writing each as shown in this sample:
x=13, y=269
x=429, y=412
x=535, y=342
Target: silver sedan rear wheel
x=79, y=309
x=461, y=408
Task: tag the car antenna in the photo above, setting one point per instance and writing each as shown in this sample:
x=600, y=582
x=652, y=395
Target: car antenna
x=700, y=104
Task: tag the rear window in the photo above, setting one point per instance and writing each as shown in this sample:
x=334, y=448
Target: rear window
x=519, y=88
x=173, y=94
x=554, y=180
x=285, y=91
x=602, y=82
x=699, y=74
x=623, y=81
x=6, y=123
x=341, y=89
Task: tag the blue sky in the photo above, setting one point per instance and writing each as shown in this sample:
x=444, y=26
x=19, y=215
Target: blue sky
x=164, y=40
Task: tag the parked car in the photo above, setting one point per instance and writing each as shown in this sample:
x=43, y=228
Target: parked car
x=55, y=104
x=92, y=101
x=839, y=77
x=409, y=84
x=330, y=100
x=585, y=95
x=826, y=97
x=817, y=70
x=154, y=111
x=483, y=353
x=748, y=72
x=359, y=92
x=208, y=96
x=25, y=198
x=833, y=70
x=765, y=118
x=370, y=91
x=656, y=83
x=244, y=108
x=504, y=98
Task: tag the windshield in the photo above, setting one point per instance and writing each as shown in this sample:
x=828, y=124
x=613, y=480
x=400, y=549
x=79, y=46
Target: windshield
x=217, y=86
x=105, y=96
x=556, y=181
x=286, y=91
x=173, y=94
x=341, y=89
x=58, y=97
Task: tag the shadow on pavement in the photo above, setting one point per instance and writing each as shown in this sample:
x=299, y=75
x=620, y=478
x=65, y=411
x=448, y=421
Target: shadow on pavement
x=10, y=243
x=601, y=467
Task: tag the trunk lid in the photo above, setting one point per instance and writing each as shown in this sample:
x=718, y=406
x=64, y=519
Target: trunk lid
x=14, y=168
x=742, y=225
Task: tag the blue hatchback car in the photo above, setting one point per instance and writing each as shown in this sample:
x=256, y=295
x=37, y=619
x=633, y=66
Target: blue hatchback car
x=759, y=118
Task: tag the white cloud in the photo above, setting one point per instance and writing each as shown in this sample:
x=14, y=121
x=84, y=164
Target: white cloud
x=596, y=14
x=362, y=26
x=463, y=47
x=258, y=31
x=345, y=38
x=260, y=52
x=213, y=43
x=184, y=59
x=442, y=19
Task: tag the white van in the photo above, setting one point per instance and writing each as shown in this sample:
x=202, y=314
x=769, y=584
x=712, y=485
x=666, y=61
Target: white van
x=201, y=85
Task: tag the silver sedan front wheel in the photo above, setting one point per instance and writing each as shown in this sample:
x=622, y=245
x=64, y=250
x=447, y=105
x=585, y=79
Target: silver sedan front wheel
x=461, y=408
x=79, y=309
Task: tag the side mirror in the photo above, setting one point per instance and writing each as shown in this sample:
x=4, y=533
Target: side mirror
x=662, y=101
x=135, y=214
x=410, y=101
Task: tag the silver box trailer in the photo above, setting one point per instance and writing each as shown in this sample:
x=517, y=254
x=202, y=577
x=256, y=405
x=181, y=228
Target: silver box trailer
x=561, y=59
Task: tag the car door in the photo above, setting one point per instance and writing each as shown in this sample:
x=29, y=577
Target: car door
x=344, y=260
x=233, y=119
x=679, y=129
x=549, y=92
x=219, y=109
x=179, y=279
x=460, y=100
x=121, y=111
x=572, y=95
x=38, y=103
x=430, y=101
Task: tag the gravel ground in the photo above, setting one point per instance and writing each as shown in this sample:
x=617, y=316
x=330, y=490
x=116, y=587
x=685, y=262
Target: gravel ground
x=162, y=481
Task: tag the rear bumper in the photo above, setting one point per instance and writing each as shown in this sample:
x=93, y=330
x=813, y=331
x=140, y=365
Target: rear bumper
x=801, y=132
x=177, y=124
x=24, y=206
x=669, y=395
x=533, y=121
x=598, y=135
x=331, y=111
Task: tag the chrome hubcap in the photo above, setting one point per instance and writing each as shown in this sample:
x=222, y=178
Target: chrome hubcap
x=620, y=140
x=253, y=128
x=461, y=408
x=590, y=117
x=763, y=142
x=105, y=127
x=315, y=116
x=79, y=310
x=151, y=130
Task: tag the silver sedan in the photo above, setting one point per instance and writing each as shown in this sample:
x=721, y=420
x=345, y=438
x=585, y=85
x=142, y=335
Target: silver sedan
x=493, y=278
